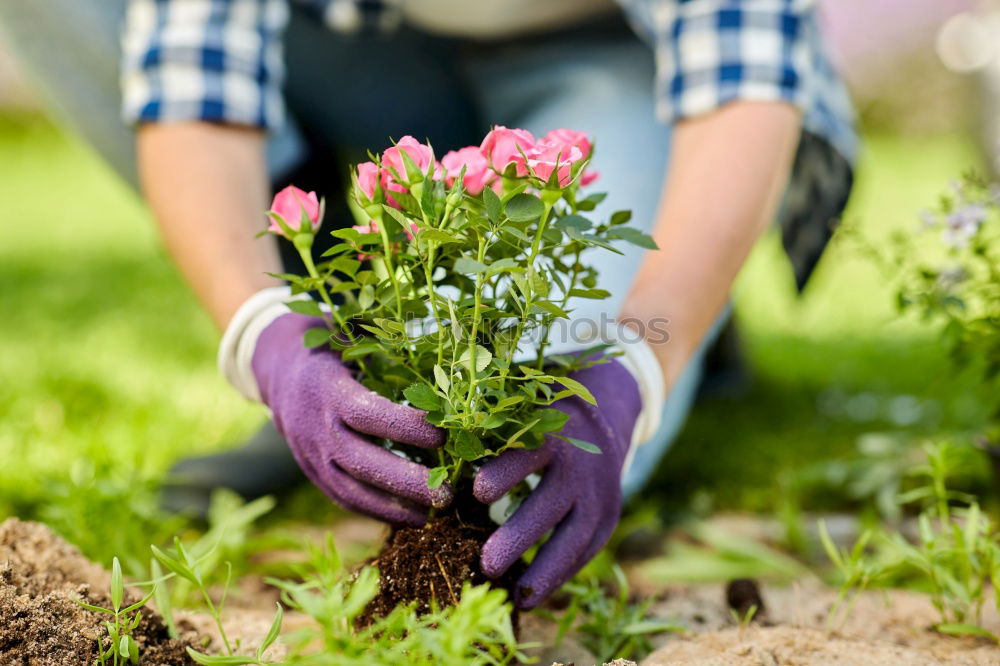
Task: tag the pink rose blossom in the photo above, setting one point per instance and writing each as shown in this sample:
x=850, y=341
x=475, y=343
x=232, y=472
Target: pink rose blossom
x=500, y=147
x=477, y=169
x=368, y=178
x=589, y=177
x=567, y=137
x=421, y=154
x=545, y=157
x=289, y=204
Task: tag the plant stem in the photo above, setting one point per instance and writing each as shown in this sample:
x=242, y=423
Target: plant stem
x=480, y=253
x=305, y=251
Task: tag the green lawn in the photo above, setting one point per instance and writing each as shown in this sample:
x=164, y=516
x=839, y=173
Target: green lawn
x=107, y=366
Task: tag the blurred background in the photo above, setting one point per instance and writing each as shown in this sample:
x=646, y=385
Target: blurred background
x=107, y=372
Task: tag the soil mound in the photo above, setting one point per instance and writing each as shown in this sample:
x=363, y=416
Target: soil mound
x=418, y=564
x=41, y=625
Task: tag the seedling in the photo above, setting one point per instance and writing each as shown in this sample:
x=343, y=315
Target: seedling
x=183, y=566
x=121, y=647
x=743, y=620
x=610, y=625
x=955, y=557
x=476, y=631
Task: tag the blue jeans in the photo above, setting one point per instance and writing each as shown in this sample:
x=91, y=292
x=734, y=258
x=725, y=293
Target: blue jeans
x=596, y=81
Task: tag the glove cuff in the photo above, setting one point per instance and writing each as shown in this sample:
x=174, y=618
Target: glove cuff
x=240, y=337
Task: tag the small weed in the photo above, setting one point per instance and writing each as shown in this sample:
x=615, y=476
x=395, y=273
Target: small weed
x=182, y=565
x=477, y=631
x=609, y=625
x=121, y=647
x=955, y=557
x=743, y=620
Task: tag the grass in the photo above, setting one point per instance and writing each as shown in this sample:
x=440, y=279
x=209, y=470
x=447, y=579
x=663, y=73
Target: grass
x=107, y=363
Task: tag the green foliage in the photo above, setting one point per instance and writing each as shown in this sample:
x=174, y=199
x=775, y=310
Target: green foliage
x=954, y=559
x=120, y=647
x=182, y=565
x=476, y=631
x=450, y=287
x=610, y=625
x=959, y=285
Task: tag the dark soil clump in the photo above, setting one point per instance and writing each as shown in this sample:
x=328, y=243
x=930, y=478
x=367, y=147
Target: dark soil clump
x=420, y=564
x=743, y=594
x=40, y=625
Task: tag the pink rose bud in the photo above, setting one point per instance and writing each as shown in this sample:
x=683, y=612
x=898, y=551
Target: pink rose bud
x=567, y=137
x=501, y=147
x=589, y=177
x=477, y=169
x=546, y=157
x=421, y=154
x=368, y=178
x=290, y=204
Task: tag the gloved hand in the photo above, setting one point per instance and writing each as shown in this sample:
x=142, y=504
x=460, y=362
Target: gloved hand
x=579, y=494
x=324, y=414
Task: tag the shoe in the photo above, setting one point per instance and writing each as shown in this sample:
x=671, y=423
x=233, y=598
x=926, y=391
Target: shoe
x=262, y=466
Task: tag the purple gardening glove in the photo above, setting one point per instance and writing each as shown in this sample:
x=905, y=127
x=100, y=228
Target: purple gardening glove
x=579, y=494
x=325, y=415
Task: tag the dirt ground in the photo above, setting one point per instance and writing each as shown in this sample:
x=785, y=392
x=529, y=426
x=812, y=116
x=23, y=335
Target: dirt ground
x=40, y=625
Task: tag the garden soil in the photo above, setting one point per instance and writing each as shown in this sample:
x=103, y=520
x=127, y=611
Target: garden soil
x=41, y=625
x=894, y=628
x=421, y=564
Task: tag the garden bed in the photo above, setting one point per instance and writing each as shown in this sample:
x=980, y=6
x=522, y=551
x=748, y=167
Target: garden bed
x=41, y=625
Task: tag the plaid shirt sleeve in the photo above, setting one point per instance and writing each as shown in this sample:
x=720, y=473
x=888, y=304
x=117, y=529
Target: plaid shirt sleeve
x=710, y=52
x=211, y=60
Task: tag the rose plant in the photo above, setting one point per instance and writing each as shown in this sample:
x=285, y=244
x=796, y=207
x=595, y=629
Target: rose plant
x=455, y=266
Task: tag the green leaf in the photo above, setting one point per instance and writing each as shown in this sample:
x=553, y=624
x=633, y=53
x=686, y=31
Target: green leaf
x=272, y=633
x=578, y=389
x=437, y=476
x=586, y=446
x=441, y=378
x=483, y=358
x=175, y=566
x=596, y=294
x=634, y=236
x=650, y=627
x=366, y=297
x=505, y=265
x=467, y=446
x=954, y=629
x=96, y=609
x=509, y=401
x=123, y=647
x=493, y=205
x=117, y=585
x=578, y=222
x=494, y=420
x=138, y=604
x=315, y=337
x=360, y=351
x=550, y=308
x=347, y=234
x=524, y=207
x=550, y=420
x=423, y=397
x=219, y=660
x=437, y=236
x=469, y=265
x=620, y=217
x=309, y=307
x=513, y=439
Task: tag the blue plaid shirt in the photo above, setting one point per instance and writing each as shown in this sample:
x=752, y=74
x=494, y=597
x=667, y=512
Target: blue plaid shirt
x=221, y=60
